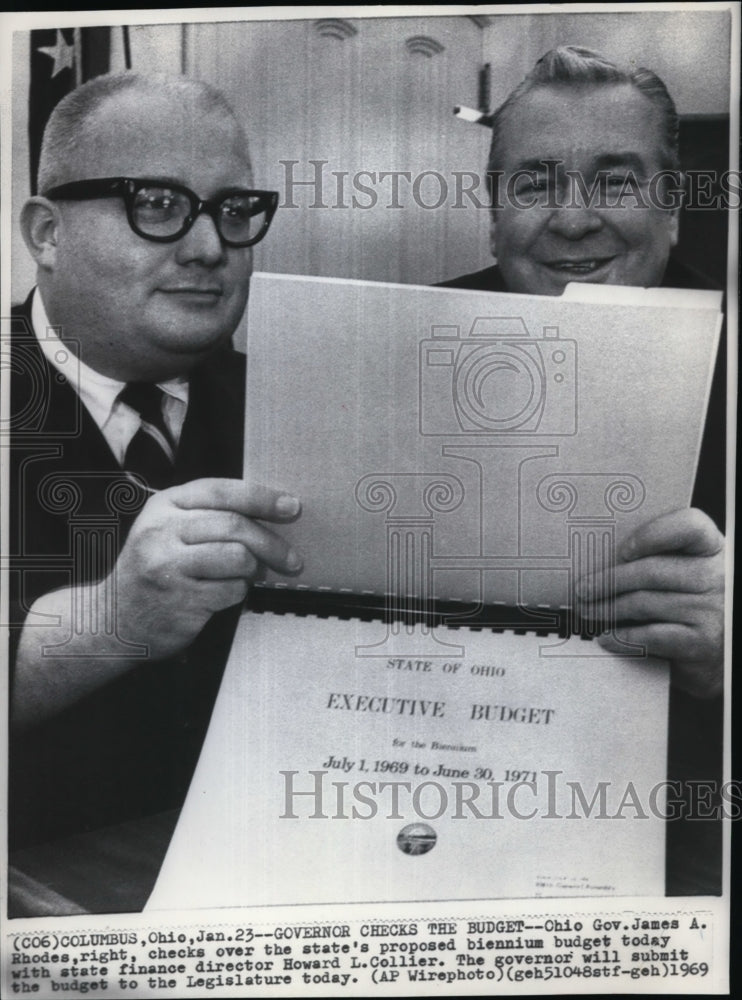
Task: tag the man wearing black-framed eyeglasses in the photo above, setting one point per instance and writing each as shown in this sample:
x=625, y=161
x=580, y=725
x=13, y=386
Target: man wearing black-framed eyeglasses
x=163, y=211
x=128, y=398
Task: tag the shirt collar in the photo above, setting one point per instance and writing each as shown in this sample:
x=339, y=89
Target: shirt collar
x=98, y=392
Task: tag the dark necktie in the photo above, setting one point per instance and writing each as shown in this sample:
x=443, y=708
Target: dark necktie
x=151, y=452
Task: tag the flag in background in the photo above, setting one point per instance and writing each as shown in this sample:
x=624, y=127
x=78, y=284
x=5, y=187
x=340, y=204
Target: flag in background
x=61, y=59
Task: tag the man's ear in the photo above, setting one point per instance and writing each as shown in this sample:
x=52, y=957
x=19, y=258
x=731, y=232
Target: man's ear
x=40, y=227
x=674, y=226
x=674, y=222
x=493, y=235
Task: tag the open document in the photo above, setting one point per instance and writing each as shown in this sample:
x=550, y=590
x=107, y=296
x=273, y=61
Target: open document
x=481, y=454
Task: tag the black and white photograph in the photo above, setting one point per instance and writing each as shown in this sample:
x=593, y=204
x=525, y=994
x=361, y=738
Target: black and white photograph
x=367, y=492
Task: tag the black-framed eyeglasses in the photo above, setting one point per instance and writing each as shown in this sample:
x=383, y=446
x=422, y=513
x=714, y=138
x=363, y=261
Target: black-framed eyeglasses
x=164, y=212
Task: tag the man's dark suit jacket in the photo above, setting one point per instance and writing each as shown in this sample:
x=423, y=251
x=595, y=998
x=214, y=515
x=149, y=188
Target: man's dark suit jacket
x=696, y=725
x=130, y=749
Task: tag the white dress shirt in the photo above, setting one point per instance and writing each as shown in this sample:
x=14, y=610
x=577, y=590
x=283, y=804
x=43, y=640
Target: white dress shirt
x=117, y=421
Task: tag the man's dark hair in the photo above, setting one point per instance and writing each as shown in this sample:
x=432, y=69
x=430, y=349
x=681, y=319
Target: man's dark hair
x=571, y=65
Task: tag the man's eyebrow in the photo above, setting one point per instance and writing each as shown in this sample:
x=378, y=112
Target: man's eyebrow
x=605, y=161
x=535, y=164
x=163, y=181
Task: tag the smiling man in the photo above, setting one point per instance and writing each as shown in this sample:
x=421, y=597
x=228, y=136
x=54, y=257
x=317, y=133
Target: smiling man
x=585, y=177
x=584, y=164
x=584, y=159
x=133, y=536
x=597, y=215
